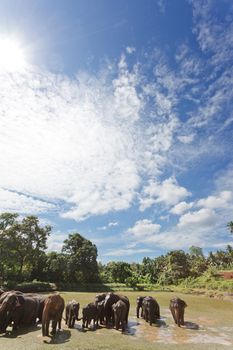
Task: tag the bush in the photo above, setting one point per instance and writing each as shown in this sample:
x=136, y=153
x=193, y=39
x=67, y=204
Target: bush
x=31, y=287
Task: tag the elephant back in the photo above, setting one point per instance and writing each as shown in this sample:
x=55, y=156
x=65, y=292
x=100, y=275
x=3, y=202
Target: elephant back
x=177, y=303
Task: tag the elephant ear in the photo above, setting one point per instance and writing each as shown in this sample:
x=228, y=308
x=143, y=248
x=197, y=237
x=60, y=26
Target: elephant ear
x=19, y=300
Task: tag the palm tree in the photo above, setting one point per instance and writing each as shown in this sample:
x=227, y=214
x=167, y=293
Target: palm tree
x=230, y=226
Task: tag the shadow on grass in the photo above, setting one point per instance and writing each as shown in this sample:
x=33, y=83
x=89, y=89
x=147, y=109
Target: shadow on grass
x=61, y=337
x=19, y=332
x=90, y=328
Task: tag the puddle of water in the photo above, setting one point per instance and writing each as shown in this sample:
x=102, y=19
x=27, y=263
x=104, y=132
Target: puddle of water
x=191, y=333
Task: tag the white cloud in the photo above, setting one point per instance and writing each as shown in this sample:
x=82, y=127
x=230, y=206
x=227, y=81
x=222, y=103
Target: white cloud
x=168, y=193
x=143, y=229
x=186, y=138
x=114, y=223
x=130, y=49
x=223, y=200
x=55, y=241
x=20, y=203
x=204, y=217
x=110, y=224
x=62, y=140
x=126, y=252
x=80, y=142
x=180, y=208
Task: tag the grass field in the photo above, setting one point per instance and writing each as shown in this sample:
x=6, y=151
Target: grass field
x=209, y=326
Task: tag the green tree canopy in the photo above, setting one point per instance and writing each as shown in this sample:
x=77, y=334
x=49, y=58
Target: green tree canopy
x=81, y=255
x=22, y=243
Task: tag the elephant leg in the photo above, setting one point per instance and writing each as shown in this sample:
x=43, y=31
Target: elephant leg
x=137, y=311
x=182, y=317
x=146, y=315
x=46, y=328
x=59, y=322
x=69, y=321
x=54, y=326
x=151, y=318
x=177, y=314
x=16, y=322
x=173, y=314
x=123, y=326
x=72, y=322
x=126, y=316
x=67, y=317
x=117, y=323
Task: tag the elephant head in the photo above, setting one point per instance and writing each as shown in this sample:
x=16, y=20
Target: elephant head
x=11, y=302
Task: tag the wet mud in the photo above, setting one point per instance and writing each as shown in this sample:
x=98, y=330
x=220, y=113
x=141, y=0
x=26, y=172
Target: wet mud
x=198, y=331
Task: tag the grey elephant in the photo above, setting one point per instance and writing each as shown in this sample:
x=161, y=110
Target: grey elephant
x=139, y=306
x=151, y=310
x=111, y=299
x=177, y=307
x=120, y=310
x=53, y=308
x=18, y=308
x=89, y=313
x=72, y=310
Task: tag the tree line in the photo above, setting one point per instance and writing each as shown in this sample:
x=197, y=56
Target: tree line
x=23, y=258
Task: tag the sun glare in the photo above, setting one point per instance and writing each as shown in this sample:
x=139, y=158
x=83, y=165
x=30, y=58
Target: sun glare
x=12, y=55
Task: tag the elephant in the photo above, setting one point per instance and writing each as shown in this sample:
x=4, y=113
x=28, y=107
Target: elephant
x=139, y=306
x=100, y=311
x=89, y=313
x=17, y=308
x=41, y=301
x=111, y=299
x=72, y=310
x=151, y=311
x=53, y=308
x=177, y=307
x=120, y=310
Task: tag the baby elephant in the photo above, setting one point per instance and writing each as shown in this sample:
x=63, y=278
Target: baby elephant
x=120, y=310
x=72, y=310
x=89, y=313
x=177, y=307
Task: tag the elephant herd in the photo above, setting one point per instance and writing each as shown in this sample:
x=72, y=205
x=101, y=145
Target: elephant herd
x=150, y=310
x=24, y=309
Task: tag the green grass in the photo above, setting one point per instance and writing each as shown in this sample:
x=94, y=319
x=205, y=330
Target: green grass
x=214, y=318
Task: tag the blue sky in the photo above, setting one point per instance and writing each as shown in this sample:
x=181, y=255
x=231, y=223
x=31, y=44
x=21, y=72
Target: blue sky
x=116, y=122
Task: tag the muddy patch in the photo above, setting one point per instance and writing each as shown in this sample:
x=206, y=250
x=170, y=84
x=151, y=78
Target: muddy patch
x=199, y=331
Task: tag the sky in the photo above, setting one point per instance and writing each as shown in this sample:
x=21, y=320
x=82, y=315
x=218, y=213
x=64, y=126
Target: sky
x=116, y=122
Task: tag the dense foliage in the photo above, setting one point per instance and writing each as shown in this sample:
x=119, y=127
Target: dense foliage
x=24, y=258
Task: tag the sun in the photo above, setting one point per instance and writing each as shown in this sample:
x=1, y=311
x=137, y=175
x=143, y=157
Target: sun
x=12, y=55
